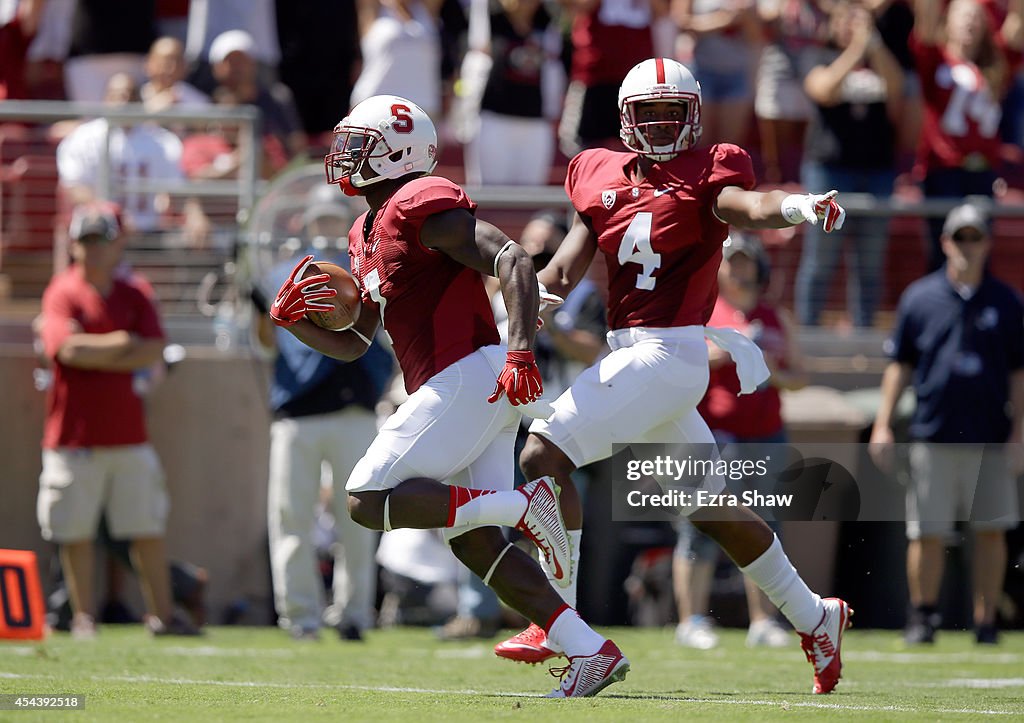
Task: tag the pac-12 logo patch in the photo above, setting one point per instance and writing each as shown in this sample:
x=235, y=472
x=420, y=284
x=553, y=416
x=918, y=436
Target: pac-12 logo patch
x=608, y=198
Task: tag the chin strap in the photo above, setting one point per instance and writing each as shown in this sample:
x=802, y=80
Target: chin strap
x=347, y=188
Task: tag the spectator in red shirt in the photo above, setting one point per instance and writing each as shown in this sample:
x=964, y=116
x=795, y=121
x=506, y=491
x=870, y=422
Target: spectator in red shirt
x=18, y=23
x=608, y=38
x=98, y=327
x=744, y=424
x=965, y=68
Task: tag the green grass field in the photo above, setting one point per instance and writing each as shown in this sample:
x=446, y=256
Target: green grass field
x=260, y=674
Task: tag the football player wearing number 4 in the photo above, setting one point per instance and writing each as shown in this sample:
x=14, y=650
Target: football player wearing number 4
x=659, y=214
x=445, y=458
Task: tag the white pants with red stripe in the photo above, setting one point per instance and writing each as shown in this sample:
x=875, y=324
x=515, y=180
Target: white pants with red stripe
x=447, y=431
x=646, y=390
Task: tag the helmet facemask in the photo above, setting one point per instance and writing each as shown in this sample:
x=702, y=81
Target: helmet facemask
x=648, y=138
x=351, y=150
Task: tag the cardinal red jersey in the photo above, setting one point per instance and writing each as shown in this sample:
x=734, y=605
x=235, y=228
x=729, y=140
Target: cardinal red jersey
x=660, y=238
x=87, y=407
x=961, y=115
x=435, y=310
x=751, y=416
x=609, y=40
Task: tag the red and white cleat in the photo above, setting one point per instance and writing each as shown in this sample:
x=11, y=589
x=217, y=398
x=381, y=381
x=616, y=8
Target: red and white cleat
x=587, y=675
x=529, y=646
x=822, y=645
x=542, y=523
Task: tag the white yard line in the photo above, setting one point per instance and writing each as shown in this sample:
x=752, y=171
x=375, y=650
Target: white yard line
x=513, y=694
x=873, y=656
x=987, y=682
x=209, y=651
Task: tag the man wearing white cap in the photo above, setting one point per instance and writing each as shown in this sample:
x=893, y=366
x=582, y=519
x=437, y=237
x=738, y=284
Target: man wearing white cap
x=208, y=19
x=233, y=62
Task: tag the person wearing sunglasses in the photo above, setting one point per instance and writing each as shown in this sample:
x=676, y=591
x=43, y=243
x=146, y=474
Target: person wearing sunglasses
x=99, y=326
x=959, y=340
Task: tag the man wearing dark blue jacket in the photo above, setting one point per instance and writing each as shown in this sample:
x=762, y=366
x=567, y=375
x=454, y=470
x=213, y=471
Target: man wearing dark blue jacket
x=323, y=422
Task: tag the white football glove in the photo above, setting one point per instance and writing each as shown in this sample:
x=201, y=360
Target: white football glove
x=809, y=207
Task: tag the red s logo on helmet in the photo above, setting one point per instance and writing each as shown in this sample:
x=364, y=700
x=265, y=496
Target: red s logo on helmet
x=403, y=121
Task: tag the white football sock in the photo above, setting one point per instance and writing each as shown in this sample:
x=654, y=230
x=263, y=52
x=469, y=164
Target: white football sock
x=568, y=593
x=775, y=574
x=485, y=507
x=569, y=633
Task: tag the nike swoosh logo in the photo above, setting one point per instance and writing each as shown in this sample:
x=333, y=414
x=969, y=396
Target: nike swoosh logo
x=558, y=573
x=662, y=191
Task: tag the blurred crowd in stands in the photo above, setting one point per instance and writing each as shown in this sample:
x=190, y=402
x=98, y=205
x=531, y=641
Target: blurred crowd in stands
x=879, y=97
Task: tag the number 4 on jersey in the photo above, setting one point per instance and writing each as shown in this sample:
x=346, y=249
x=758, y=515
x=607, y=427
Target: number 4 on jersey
x=636, y=248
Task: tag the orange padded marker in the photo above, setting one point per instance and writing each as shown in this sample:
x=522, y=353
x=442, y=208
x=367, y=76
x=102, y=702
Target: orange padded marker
x=22, y=613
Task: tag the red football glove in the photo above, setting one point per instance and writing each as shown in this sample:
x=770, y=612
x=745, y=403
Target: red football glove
x=296, y=297
x=520, y=379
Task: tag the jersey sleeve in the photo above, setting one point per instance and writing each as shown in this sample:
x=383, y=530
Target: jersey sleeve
x=1015, y=334
x=903, y=345
x=58, y=311
x=731, y=166
x=580, y=179
x=424, y=197
x=572, y=177
x=147, y=320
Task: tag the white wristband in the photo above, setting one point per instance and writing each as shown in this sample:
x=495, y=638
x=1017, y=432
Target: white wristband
x=791, y=209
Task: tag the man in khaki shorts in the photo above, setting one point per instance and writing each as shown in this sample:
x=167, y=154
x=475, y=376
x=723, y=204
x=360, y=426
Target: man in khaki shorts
x=959, y=340
x=99, y=325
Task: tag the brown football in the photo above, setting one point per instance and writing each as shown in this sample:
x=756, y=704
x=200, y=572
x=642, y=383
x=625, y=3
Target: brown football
x=346, y=303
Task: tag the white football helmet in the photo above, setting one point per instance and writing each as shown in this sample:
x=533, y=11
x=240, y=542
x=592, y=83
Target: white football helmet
x=659, y=79
x=392, y=135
